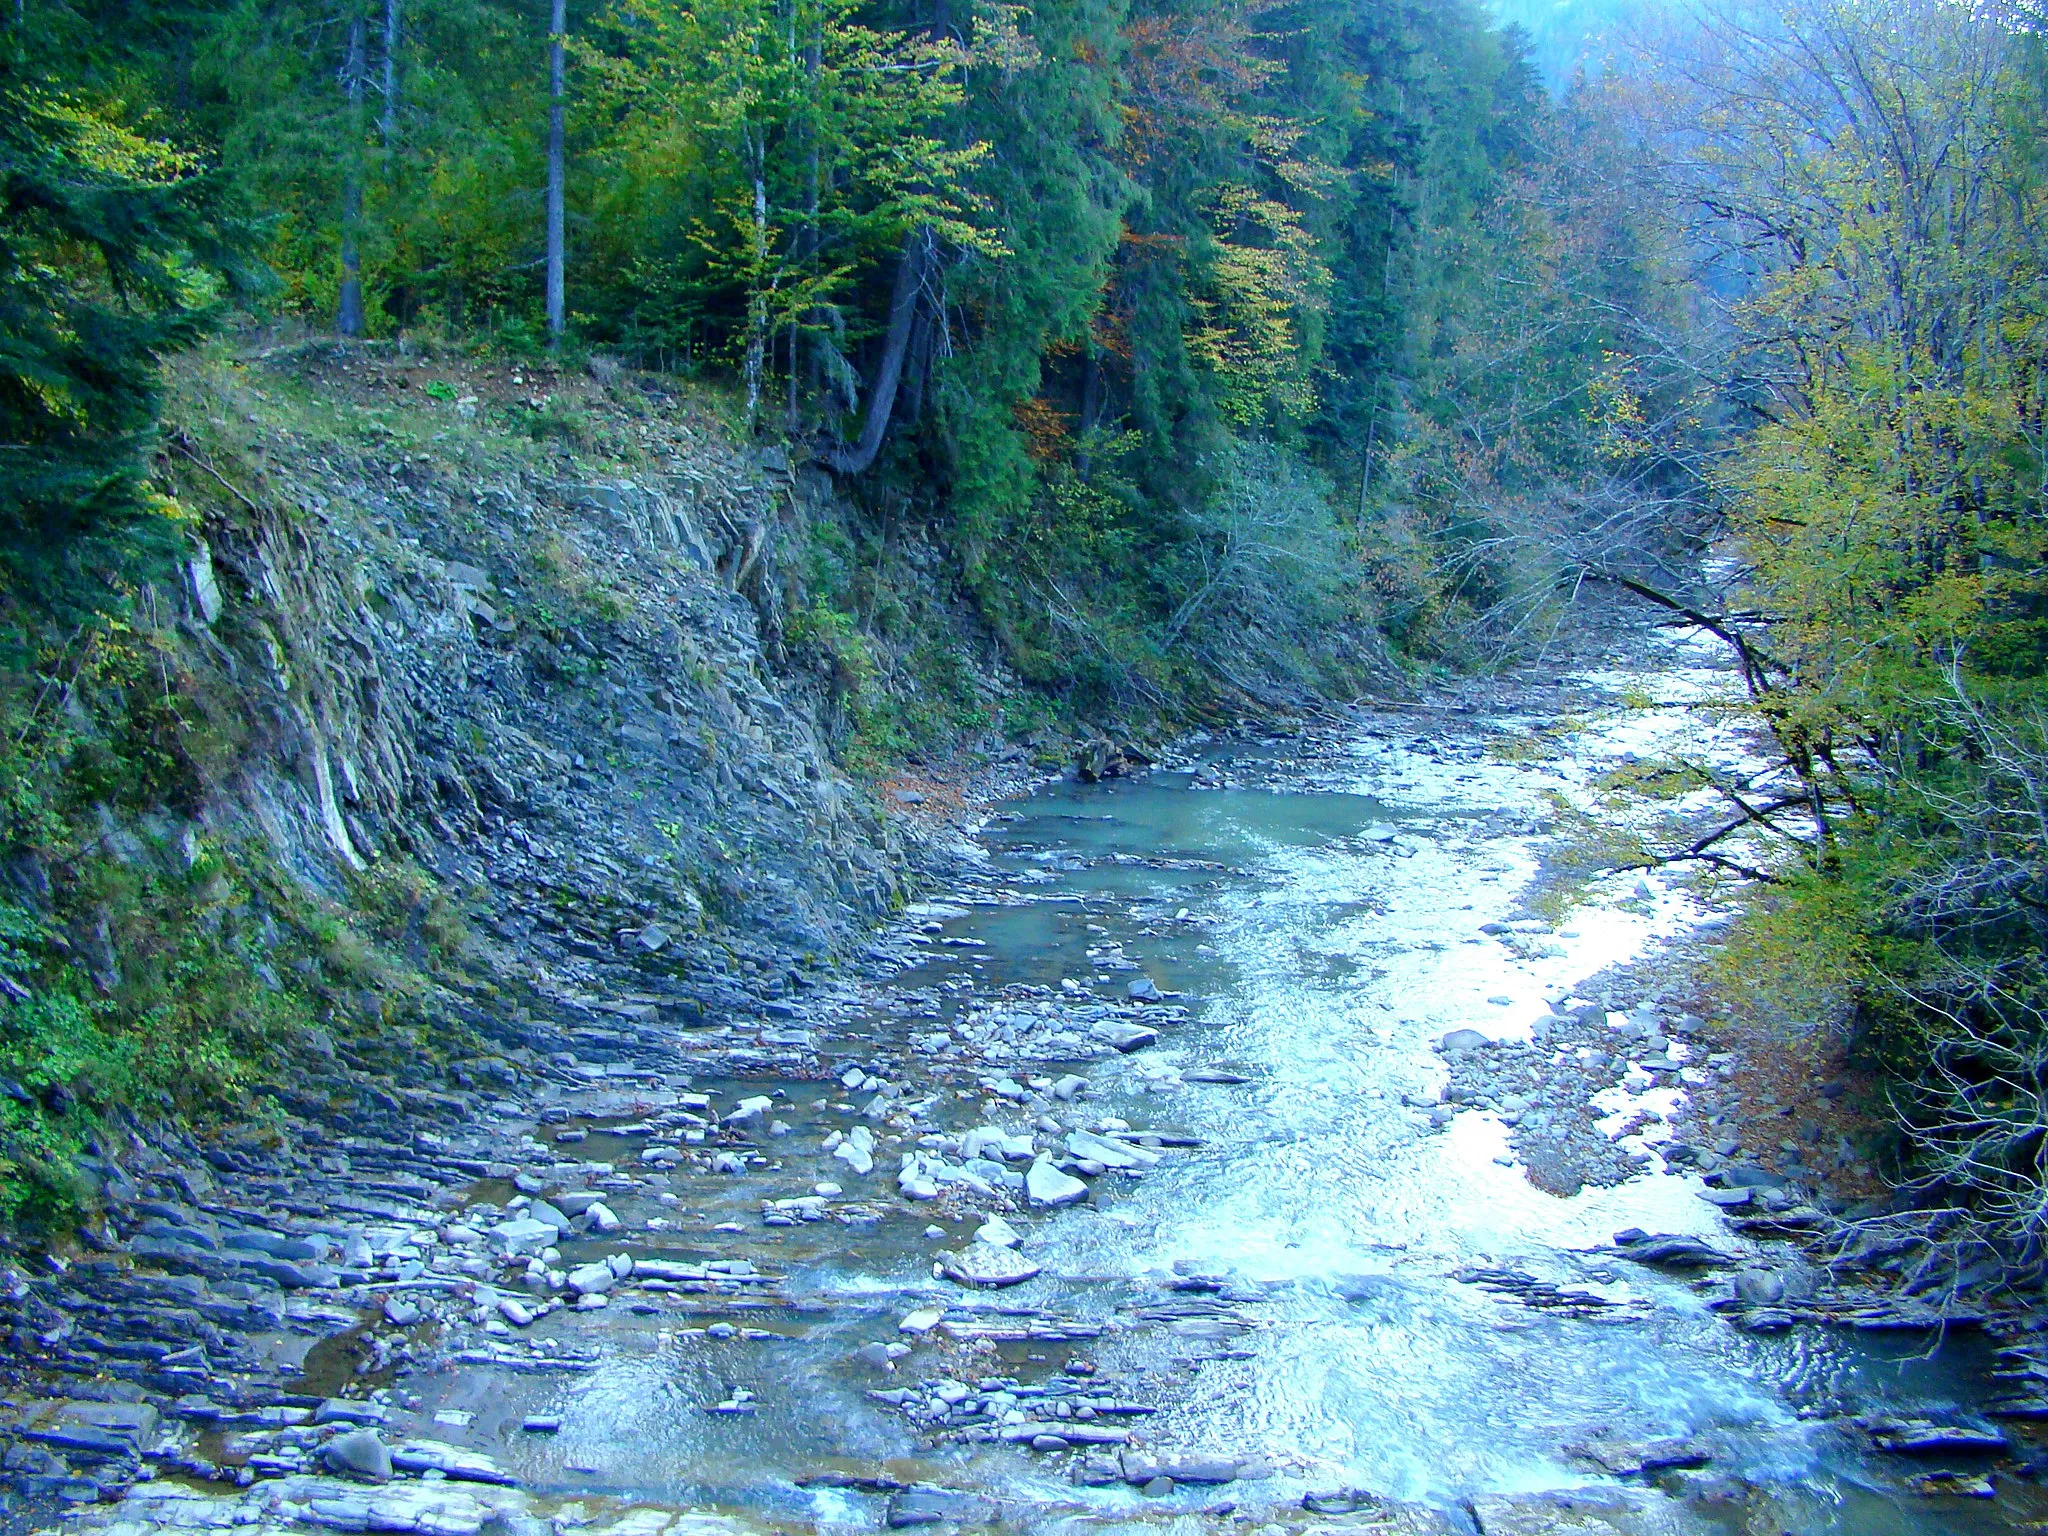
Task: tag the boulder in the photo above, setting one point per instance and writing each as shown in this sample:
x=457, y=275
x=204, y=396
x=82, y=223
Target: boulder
x=592, y=1279
x=985, y=1264
x=1046, y=1185
x=358, y=1454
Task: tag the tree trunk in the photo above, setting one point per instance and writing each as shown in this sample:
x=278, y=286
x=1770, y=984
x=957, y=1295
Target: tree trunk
x=910, y=277
x=557, y=293
x=387, y=120
x=348, y=318
x=757, y=305
x=1091, y=402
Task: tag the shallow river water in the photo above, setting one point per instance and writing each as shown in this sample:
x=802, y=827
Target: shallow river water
x=1320, y=919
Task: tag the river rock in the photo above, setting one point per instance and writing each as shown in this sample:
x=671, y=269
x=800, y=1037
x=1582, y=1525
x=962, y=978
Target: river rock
x=341, y=1410
x=1672, y=1251
x=1463, y=1040
x=998, y=1233
x=1727, y=1199
x=1759, y=1287
x=592, y=1279
x=1143, y=989
x=936, y=1506
x=1123, y=1036
x=523, y=1236
x=1628, y=1458
x=1046, y=1185
x=1925, y=1437
x=603, y=1218
x=358, y=1454
x=985, y=1264
x=857, y=1151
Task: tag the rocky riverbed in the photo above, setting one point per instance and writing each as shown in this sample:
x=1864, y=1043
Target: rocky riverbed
x=1241, y=1145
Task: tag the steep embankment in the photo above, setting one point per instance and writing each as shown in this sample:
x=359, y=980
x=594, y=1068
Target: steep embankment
x=473, y=721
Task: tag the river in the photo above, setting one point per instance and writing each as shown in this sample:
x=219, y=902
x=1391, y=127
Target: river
x=1299, y=1291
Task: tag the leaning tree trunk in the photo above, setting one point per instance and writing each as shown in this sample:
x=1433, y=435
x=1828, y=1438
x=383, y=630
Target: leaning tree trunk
x=348, y=317
x=557, y=290
x=911, y=272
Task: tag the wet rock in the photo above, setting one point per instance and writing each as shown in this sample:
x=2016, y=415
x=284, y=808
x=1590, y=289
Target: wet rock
x=1109, y=1152
x=1046, y=1185
x=451, y=1461
x=1143, y=989
x=1628, y=1458
x=998, y=1233
x=1727, y=1199
x=1925, y=1437
x=935, y=1506
x=358, y=1454
x=1669, y=1251
x=1579, y=1512
x=1344, y=1501
x=1124, y=1037
x=337, y=1410
x=921, y=1321
x=1954, y=1485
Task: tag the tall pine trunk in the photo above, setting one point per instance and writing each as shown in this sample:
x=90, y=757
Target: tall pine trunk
x=557, y=300
x=387, y=119
x=348, y=318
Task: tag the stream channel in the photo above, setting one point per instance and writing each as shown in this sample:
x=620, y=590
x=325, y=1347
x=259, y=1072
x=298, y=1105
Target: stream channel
x=1291, y=1288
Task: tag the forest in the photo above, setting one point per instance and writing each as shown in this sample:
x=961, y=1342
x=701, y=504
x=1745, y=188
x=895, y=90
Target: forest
x=1237, y=353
